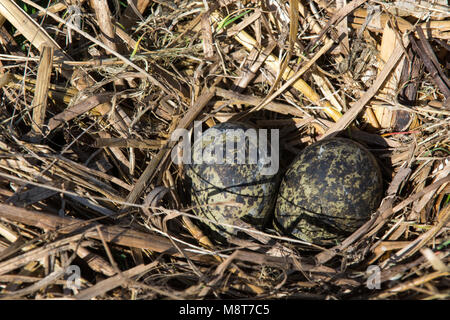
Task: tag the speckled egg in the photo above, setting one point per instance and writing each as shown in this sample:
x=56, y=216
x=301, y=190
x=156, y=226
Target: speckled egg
x=223, y=191
x=329, y=191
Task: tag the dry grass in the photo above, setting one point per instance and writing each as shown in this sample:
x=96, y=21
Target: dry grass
x=90, y=94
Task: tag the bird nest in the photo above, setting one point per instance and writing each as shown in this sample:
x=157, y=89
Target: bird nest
x=93, y=205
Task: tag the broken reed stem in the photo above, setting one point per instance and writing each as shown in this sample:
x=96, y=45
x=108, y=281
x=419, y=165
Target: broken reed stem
x=27, y=27
x=39, y=104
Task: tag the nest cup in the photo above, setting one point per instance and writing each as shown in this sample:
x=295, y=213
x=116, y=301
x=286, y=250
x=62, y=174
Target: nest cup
x=329, y=191
x=224, y=190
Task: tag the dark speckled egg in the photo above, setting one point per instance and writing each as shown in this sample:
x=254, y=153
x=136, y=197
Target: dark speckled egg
x=330, y=190
x=226, y=189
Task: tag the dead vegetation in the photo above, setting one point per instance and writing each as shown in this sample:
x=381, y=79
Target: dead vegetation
x=92, y=90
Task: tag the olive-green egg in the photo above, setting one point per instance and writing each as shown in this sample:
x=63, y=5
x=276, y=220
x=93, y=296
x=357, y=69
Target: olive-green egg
x=225, y=193
x=329, y=191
